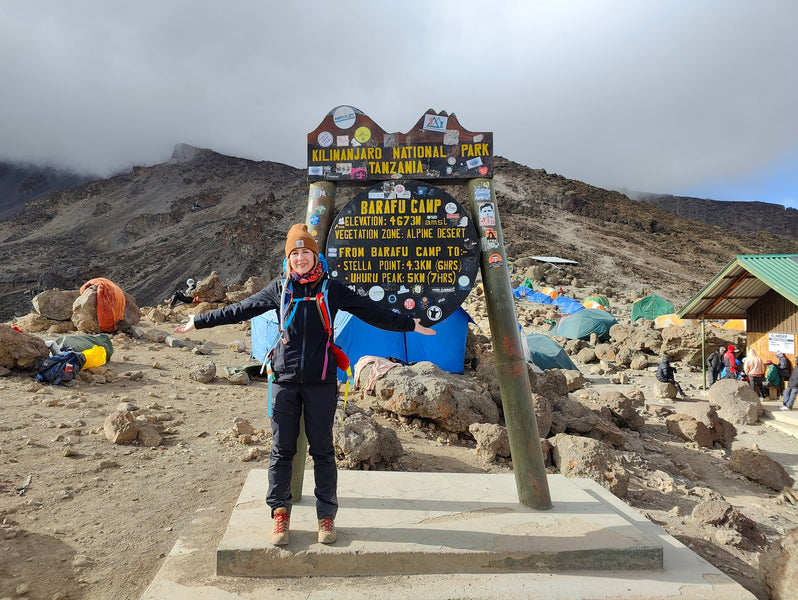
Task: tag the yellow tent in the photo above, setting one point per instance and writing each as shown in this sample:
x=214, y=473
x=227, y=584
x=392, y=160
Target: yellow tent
x=738, y=324
x=662, y=321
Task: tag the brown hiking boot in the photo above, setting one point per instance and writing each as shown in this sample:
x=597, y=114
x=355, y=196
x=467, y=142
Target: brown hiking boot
x=279, y=536
x=327, y=533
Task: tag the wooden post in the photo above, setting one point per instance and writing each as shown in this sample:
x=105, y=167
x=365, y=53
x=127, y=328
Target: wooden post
x=519, y=415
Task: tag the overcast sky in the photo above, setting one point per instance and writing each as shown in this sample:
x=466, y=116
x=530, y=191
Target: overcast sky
x=689, y=97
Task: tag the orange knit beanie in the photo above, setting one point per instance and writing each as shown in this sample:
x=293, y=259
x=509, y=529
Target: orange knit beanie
x=299, y=237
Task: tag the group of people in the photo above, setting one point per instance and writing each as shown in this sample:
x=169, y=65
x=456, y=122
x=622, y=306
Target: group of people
x=761, y=375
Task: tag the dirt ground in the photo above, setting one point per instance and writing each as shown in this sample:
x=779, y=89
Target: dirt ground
x=96, y=519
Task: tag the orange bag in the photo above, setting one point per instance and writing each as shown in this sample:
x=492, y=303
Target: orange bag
x=110, y=302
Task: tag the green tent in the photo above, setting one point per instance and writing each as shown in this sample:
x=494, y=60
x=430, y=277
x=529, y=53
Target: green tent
x=650, y=307
x=598, y=299
x=580, y=325
x=545, y=352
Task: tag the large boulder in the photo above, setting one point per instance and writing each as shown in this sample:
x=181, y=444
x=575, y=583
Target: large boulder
x=424, y=390
x=690, y=429
x=84, y=311
x=20, y=350
x=55, y=304
x=759, y=467
x=210, y=289
x=577, y=456
x=571, y=416
x=779, y=567
x=736, y=401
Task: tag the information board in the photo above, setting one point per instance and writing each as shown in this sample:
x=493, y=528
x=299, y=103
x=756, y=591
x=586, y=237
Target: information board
x=409, y=246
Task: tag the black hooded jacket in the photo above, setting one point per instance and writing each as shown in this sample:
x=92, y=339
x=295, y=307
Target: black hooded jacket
x=665, y=371
x=301, y=359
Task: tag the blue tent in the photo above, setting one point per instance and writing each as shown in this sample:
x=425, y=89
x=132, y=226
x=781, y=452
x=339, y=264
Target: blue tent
x=446, y=348
x=580, y=325
x=526, y=293
x=545, y=352
x=568, y=305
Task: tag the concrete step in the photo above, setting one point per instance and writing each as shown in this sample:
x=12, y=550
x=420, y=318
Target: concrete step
x=783, y=420
x=188, y=571
x=415, y=523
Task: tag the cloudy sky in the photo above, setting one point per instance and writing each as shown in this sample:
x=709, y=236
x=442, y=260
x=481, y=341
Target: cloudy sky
x=685, y=97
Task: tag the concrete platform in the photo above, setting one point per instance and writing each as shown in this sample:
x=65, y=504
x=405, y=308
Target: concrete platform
x=189, y=572
x=414, y=523
x=785, y=421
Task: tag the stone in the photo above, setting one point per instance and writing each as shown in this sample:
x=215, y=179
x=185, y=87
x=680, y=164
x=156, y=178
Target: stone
x=544, y=413
x=574, y=380
x=424, y=390
x=586, y=356
x=156, y=335
x=664, y=390
x=779, y=567
x=758, y=466
x=84, y=311
x=120, y=427
x=570, y=416
x=21, y=350
x=711, y=512
x=210, y=289
x=203, y=373
x=243, y=426
x=639, y=362
x=736, y=401
x=34, y=323
x=239, y=378
x=55, y=304
x=237, y=346
x=360, y=443
x=688, y=428
x=492, y=440
x=149, y=436
x=577, y=456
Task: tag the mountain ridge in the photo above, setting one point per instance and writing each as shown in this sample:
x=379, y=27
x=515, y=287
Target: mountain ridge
x=153, y=227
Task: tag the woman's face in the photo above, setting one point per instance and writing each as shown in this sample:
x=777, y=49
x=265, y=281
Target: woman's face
x=301, y=260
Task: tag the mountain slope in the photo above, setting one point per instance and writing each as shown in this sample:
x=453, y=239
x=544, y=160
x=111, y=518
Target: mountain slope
x=152, y=228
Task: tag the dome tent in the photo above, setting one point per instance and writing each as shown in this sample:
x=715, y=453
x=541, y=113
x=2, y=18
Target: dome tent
x=650, y=307
x=545, y=353
x=580, y=325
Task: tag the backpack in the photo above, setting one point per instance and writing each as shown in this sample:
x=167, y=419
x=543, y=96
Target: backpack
x=286, y=315
x=60, y=368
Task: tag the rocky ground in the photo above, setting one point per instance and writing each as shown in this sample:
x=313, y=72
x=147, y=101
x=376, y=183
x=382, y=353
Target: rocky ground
x=84, y=518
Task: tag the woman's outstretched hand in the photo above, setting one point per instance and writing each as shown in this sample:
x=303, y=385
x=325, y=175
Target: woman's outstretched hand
x=423, y=330
x=186, y=327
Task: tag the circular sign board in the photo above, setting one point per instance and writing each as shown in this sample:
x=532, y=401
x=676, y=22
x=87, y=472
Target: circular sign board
x=408, y=246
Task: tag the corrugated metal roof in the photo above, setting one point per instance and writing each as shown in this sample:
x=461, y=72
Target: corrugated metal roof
x=743, y=281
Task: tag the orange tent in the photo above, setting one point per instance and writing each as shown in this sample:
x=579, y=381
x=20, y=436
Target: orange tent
x=110, y=302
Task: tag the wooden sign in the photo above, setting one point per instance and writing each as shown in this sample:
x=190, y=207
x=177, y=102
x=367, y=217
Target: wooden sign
x=349, y=146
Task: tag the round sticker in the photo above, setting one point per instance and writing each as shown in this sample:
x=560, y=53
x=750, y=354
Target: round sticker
x=325, y=139
x=434, y=313
x=314, y=219
x=344, y=117
x=376, y=293
x=451, y=160
x=362, y=134
x=410, y=304
x=463, y=281
x=451, y=207
x=392, y=298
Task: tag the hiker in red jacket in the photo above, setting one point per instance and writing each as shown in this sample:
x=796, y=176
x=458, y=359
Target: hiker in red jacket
x=304, y=370
x=730, y=363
